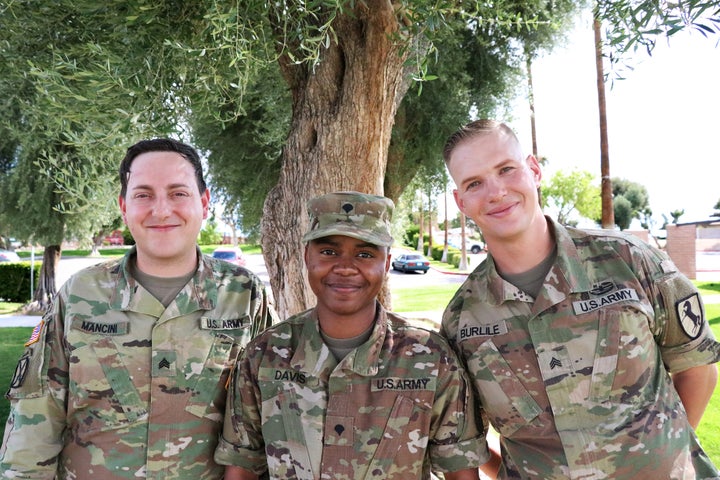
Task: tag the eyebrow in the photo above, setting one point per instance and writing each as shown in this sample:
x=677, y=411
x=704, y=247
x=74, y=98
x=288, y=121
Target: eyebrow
x=172, y=186
x=360, y=244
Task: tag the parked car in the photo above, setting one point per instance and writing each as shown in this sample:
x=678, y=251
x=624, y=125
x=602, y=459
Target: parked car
x=9, y=256
x=473, y=246
x=230, y=254
x=410, y=262
x=115, y=238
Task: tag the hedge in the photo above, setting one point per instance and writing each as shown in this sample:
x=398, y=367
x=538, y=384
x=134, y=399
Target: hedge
x=15, y=281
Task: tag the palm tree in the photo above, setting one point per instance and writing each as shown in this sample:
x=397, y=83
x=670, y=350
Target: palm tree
x=608, y=217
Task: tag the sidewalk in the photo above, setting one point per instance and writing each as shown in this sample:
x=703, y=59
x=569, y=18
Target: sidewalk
x=11, y=320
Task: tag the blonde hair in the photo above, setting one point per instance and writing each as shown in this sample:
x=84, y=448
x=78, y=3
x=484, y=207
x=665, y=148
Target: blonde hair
x=474, y=129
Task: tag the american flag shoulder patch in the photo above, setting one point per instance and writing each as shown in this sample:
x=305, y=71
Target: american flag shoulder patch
x=35, y=335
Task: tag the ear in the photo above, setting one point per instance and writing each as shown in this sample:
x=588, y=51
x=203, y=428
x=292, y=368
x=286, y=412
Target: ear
x=123, y=207
x=205, y=199
x=388, y=260
x=459, y=201
x=534, y=166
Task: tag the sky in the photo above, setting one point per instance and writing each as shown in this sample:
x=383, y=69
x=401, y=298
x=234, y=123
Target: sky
x=663, y=119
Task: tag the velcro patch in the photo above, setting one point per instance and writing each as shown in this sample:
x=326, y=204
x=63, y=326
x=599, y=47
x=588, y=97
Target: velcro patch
x=691, y=315
x=120, y=328
x=223, y=323
x=21, y=371
x=482, y=330
x=164, y=363
x=617, y=296
x=397, y=383
x=35, y=335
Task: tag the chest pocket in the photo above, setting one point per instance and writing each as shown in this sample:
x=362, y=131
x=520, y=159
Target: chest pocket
x=291, y=432
x=211, y=377
x=504, y=398
x=407, y=426
x=102, y=394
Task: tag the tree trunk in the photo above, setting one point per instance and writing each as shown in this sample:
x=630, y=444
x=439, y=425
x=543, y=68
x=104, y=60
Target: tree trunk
x=431, y=226
x=463, y=247
x=531, y=101
x=397, y=173
x=421, y=226
x=608, y=215
x=445, y=227
x=343, y=110
x=46, y=288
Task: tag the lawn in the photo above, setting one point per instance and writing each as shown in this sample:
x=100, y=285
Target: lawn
x=11, y=346
x=427, y=298
x=404, y=300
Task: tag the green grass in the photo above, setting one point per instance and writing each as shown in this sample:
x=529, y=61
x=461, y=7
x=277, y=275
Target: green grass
x=707, y=288
x=11, y=346
x=9, y=307
x=707, y=431
x=248, y=249
x=431, y=297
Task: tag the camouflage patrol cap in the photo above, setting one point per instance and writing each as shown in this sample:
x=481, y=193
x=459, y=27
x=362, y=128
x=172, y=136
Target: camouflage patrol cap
x=353, y=214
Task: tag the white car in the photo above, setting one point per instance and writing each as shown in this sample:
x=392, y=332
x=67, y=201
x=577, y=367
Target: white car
x=473, y=246
x=8, y=256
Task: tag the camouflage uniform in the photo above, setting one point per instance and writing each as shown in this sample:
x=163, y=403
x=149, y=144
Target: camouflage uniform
x=114, y=385
x=393, y=408
x=576, y=381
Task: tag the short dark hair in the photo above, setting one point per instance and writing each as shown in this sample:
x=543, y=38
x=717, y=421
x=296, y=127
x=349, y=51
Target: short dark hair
x=161, y=145
x=474, y=129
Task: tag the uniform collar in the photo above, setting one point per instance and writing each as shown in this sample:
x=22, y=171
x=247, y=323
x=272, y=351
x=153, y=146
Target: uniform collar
x=566, y=275
x=364, y=360
x=200, y=293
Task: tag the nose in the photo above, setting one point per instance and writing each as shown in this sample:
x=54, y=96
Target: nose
x=495, y=189
x=345, y=265
x=161, y=207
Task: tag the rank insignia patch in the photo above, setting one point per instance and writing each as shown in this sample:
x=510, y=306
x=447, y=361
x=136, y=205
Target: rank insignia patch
x=690, y=315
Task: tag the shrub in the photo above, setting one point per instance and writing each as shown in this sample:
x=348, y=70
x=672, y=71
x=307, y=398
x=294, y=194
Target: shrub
x=15, y=281
x=127, y=237
x=411, y=235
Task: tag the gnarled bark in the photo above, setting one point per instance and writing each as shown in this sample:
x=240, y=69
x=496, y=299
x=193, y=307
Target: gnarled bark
x=339, y=136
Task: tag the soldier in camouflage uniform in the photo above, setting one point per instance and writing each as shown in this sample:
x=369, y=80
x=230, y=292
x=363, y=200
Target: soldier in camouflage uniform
x=348, y=390
x=589, y=351
x=125, y=375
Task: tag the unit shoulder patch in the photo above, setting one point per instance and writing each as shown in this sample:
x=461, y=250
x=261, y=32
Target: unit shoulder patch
x=690, y=314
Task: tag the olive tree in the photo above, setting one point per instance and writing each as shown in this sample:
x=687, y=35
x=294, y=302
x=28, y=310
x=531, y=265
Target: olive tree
x=101, y=73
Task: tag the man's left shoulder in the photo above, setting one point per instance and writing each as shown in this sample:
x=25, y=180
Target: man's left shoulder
x=220, y=270
x=582, y=235
x=418, y=329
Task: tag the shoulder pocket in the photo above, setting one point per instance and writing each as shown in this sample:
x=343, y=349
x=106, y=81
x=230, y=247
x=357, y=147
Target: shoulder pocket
x=30, y=377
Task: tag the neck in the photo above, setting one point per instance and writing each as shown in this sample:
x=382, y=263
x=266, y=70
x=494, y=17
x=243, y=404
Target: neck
x=339, y=325
x=175, y=267
x=524, y=251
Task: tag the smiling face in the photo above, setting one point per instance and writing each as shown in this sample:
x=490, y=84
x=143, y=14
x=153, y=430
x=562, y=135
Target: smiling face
x=164, y=210
x=346, y=275
x=497, y=186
